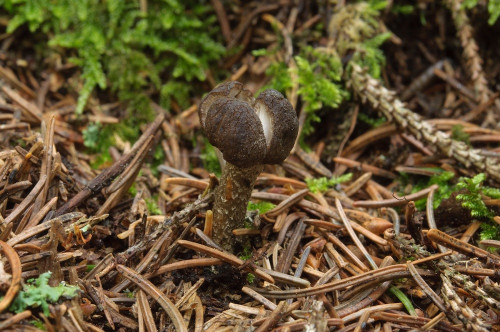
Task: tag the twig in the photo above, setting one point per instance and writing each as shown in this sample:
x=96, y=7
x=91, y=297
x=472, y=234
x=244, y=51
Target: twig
x=371, y=90
x=462, y=247
x=396, y=201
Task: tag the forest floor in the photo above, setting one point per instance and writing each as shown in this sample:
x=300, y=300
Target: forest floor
x=385, y=216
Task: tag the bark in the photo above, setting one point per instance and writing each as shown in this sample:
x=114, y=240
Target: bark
x=231, y=200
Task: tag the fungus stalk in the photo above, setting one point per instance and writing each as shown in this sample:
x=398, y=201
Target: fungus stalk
x=231, y=201
x=249, y=133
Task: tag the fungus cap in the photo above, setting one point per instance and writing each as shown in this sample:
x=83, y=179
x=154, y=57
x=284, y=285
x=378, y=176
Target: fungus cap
x=246, y=130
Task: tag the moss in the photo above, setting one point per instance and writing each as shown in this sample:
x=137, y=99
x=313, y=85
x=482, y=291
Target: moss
x=126, y=48
x=323, y=184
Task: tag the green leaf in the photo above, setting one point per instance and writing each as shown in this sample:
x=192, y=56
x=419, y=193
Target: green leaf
x=403, y=299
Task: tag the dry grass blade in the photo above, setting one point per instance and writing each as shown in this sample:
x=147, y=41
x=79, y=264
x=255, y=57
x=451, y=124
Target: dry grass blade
x=33, y=114
x=13, y=189
x=396, y=201
x=388, y=272
x=14, y=319
x=15, y=283
x=156, y=294
x=184, y=264
x=193, y=183
x=267, y=303
x=226, y=257
x=365, y=167
x=189, y=293
x=145, y=262
x=287, y=203
x=14, y=215
x=350, y=230
x=427, y=290
x=43, y=227
x=47, y=165
x=36, y=218
x=145, y=311
x=274, y=318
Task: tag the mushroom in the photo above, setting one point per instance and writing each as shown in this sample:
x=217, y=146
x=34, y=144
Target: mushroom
x=249, y=133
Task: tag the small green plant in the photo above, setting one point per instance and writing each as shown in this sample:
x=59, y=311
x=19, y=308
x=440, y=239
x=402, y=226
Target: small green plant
x=493, y=9
x=458, y=133
x=402, y=9
x=250, y=278
x=132, y=190
x=444, y=190
x=359, y=33
x=210, y=159
x=490, y=231
x=281, y=76
x=92, y=135
x=319, y=73
x=471, y=198
x=493, y=193
x=98, y=138
x=374, y=122
x=152, y=206
x=319, y=77
x=323, y=184
x=369, y=54
x=38, y=324
x=246, y=254
x=38, y=293
x=262, y=207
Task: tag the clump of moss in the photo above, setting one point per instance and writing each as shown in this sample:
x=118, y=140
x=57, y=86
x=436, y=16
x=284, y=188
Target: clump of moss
x=131, y=47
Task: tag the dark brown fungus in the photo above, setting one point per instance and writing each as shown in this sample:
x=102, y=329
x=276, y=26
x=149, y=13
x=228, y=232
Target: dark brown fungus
x=248, y=132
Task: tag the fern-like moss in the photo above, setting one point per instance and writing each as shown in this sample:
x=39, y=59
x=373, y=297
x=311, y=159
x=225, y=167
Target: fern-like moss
x=119, y=46
x=262, y=207
x=371, y=121
x=323, y=184
x=493, y=9
x=319, y=76
x=490, y=231
x=457, y=133
x=471, y=198
x=444, y=190
x=210, y=159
